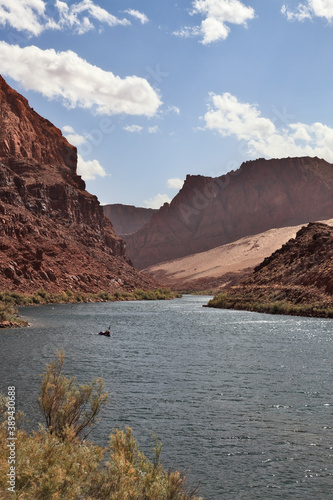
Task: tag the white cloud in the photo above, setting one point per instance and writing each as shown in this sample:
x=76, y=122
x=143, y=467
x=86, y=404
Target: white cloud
x=25, y=15
x=228, y=117
x=72, y=137
x=153, y=130
x=217, y=14
x=78, y=83
x=157, y=201
x=138, y=15
x=75, y=16
x=172, y=109
x=89, y=169
x=133, y=128
x=32, y=16
x=175, y=183
x=188, y=32
x=309, y=10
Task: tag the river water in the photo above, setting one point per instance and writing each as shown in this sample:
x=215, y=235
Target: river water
x=242, y=401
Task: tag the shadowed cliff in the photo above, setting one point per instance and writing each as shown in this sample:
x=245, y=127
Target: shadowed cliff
x=127, y=219
x=209, y=212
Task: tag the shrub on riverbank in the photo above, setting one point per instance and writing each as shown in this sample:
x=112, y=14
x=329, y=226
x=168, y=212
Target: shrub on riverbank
x=8, y=316
x=291, y=301
x=69, y=297
x=8, y=300
x=55, y=463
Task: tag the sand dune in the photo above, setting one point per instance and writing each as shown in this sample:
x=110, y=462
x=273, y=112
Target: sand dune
x=215, y=267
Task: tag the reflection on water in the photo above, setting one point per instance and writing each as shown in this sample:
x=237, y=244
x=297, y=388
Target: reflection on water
x=242, y=401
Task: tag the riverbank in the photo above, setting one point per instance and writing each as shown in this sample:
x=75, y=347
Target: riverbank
x=9, y=318
x=291, y=300
x=10, y=300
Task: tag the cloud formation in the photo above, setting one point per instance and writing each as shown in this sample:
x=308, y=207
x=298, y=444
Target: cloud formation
x=309, y=10
x=76, y=82
x=133, y=128
x=138, y=15
x=72, y=137
x=157, y=201
x=175, y=183
x=217, y=15
x=36, y=16
x=172, y=109
x=153, y=130
x=228, y=117
x=26, y=15
x=78, y=17
x=89, y=169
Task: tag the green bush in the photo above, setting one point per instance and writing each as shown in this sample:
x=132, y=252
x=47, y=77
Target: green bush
x=42, y=293
x=275, y=303
x=53, y=463
x=9, y=299
x=69, y=409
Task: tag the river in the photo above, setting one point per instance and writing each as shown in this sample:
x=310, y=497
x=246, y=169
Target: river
x=242, y=401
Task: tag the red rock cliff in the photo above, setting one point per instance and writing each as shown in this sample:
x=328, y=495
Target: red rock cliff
x=208, y=212
x=53, y=233
x=26, y=135
x=127, y=219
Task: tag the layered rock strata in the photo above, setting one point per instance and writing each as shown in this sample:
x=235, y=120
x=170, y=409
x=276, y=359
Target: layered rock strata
x=53, y=233
x=296, y=279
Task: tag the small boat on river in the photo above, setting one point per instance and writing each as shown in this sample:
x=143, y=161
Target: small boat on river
x=106, y=333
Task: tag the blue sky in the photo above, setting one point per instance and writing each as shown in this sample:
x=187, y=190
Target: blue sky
x=151, y=91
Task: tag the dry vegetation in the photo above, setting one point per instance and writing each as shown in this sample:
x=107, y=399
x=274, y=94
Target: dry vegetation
x=297, y=279
x=58, y=463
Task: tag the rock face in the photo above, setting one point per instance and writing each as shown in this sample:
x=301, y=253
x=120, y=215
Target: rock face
x=222, y=266
x=127, y=219
x=209, y=212
x=24, y=135
x=53, y=233
x=306, y=260
x=296, y=279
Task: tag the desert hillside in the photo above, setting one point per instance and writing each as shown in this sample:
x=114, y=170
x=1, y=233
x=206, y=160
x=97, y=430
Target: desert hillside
x=217, y=267
x=296, y=279
x=210, y=212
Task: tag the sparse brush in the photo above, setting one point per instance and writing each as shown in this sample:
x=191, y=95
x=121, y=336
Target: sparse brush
x=54, y=463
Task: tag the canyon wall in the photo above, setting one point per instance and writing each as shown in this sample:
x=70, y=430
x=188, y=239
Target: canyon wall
x=209, y=212
x=53, y=233
x=127, y=219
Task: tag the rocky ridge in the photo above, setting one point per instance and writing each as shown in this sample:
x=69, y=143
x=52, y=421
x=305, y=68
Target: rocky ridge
x=53, y=233
x=127, y=219
x=210, y=212
x=306, y=260
x=297, y=278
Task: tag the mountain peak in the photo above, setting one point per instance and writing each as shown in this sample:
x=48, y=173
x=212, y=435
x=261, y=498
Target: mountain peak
x=209, y=212
x=25, y=135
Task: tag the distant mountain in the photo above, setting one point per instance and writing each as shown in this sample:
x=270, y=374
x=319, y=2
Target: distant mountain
x=209, y=212
x=296, y=279
x=53, y=233
x=127, y=219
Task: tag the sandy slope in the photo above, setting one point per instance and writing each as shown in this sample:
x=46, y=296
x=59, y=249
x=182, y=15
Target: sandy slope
x=213, y=267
